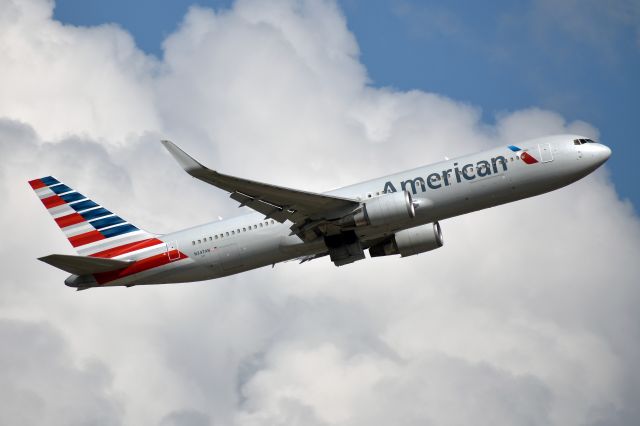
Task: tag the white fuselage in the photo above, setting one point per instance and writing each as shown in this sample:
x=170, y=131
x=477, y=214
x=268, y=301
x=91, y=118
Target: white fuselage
x=441, y=190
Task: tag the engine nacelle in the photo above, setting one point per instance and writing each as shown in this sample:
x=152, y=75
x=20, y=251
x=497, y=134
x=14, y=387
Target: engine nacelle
x=388, y=208
x=410, y=241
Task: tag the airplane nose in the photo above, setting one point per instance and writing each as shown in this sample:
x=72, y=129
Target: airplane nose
x=603, y=153
x=597, y=153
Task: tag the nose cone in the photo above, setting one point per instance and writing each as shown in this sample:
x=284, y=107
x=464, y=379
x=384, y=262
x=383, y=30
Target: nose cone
x=593, y=155
x=601, y=153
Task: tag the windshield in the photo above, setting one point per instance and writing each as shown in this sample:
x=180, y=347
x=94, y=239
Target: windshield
x=582, y=141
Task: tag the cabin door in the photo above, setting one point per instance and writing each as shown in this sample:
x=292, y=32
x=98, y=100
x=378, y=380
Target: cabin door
x=172, y=251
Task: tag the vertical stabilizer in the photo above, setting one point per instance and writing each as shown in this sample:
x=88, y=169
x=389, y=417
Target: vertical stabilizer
x=90, y=228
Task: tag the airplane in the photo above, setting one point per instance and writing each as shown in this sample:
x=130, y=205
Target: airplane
x=398, y=214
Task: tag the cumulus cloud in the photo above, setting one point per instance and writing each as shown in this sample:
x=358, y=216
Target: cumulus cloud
x=42, y=384
x=68, y=80
x=526, y=316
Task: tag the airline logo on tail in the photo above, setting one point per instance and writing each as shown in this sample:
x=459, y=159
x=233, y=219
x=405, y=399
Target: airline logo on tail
x=96, y=232
x=90, y=228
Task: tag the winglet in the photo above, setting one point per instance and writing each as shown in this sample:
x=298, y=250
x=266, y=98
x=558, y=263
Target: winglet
x=188, y=163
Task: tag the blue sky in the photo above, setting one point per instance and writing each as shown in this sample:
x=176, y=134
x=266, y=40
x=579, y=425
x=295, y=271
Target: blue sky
x=501, y=56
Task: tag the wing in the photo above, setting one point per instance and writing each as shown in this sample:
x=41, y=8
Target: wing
x=307, y=210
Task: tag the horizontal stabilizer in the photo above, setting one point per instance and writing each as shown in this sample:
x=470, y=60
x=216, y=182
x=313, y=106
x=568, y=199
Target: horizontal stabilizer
x=84, y=265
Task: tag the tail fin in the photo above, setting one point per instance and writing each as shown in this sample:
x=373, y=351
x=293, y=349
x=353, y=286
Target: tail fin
x=91, y=229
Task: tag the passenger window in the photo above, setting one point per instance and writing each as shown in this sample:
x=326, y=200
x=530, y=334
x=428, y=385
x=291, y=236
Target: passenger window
x=272, y=222
x=216, y=237
x=199, y=241
x=255, y=226
x=193, y=242
x=244, y=229
x=238, y=230
x=227, y=234
x=210, y=239
x=260, y=224
x=233, y=232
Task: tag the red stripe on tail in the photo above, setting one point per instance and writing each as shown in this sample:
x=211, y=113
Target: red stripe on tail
x=53, y=201
x=37, y=184
x=68, y=220
x=86, y=238
x=127, y=248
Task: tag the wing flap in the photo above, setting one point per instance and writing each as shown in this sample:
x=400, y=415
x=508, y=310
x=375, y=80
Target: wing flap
x=84, y=265
x=270, y=211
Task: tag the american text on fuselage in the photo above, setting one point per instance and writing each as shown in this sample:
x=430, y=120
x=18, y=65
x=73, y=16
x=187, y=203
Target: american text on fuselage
x=437, y=180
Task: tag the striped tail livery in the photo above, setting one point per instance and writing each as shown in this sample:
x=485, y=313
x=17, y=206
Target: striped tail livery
x=109, y=248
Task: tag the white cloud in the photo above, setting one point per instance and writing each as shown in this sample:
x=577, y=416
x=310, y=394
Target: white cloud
x=72, y=80
x=40, y=382
x=526, y=316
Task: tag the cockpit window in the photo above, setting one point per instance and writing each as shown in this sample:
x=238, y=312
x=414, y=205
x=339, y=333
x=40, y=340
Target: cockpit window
x=582, y=141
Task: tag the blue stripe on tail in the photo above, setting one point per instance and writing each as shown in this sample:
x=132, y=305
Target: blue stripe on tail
x=83, y=205
x=95, y=213
x=60, y=189
x=107, y=221
x=49, y=180
x=72, y=196
x=118, y=230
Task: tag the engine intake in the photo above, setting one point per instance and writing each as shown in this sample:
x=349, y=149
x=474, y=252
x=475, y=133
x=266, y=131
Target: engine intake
x=388, y=208
x=410, y=241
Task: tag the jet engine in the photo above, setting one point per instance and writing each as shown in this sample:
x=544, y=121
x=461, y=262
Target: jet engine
x=382, y=210
x=410, y=241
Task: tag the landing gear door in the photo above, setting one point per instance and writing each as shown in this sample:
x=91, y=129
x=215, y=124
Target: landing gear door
x=172, y=250
x=546, y=155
